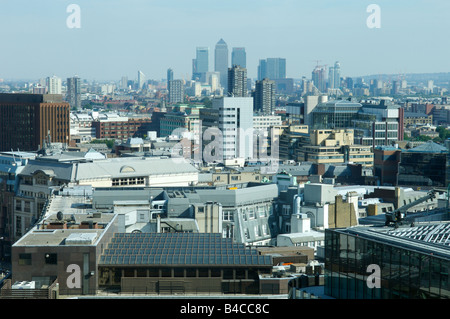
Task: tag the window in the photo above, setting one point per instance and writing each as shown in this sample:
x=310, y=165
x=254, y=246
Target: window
x=18, y=205
x=24, y=259
x=51, y=259
x=228, y=215
x=41, y=180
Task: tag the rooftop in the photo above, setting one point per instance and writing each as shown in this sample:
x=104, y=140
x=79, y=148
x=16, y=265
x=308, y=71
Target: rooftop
x=179, y=249
x=428, y=237
x=429, y=147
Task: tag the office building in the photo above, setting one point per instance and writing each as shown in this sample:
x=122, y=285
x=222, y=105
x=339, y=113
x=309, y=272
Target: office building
x=181, y=117
x=54, y=85
x=221, y=62
x=424, y=165
x=334, y=114
x=239, y=57
x=318, y=79
x=411, y=262
x=234, y=131
x=200, y=65
x=169, y=77
x=176, y=91
x=124, y=83
x=379, y=123
x=237, y=81
x=11, y=164
x=265, y=98
x=113, y=126
x=272, y=68
x=385, y=162
x=74, y=92
x=333, y=146
x=40, y=117
x=266, y=121
x=140, y=80
x=337, y=75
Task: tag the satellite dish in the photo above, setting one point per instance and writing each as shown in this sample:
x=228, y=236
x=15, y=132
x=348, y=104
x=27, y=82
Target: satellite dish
x=59, y=215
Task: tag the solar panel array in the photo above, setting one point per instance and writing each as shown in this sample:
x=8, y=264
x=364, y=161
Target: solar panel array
x=179, y=249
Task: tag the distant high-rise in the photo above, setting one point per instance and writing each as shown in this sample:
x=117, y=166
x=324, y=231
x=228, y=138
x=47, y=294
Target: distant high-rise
x=272, y=68
x=176, y=92
x=74, y=92
x=337, y=75
x=239, y=57
x=221, y=62
x=124, y=82
x=331, y=83
x=169, y=77
x=54, y=85
x=28, y=120
x=237, y=81
x=200, y=65
x=141, y=80
x=318, y=78
x=265, y=96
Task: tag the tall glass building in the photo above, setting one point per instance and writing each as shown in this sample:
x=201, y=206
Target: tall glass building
x=221, y=62
x=413, y=262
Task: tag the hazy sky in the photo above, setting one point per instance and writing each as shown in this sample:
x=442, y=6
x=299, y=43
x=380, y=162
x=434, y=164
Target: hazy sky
x=120, y=37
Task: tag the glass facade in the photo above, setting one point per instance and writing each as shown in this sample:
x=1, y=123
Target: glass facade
x=404, y=273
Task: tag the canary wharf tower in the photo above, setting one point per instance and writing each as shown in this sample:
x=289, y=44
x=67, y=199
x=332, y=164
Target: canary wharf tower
x=221, y=62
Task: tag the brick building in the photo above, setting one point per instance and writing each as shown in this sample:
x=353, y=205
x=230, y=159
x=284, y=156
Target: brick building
x=28, y=120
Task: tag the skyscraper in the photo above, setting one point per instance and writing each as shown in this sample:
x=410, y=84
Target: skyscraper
x=176, y=92
x=54, y=85
x=331, y=84
x=169, y=77
x=237, y=81
x=124, y=82
x=265, y=96
x=239, y=57
x=272, y=68
x=200, y=65
x=141, y=80
x=318, y=78
x=37, y=116
x=337, y=75
x=221, y=62
x=74, y=92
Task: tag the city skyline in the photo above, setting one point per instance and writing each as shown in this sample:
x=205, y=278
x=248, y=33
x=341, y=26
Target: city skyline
x=110, y=43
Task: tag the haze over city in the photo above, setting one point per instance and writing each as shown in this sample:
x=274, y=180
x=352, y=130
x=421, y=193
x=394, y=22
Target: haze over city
x=117, y=38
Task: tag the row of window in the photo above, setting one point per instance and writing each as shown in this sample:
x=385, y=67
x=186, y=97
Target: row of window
x=128, y=181
x=49, y=259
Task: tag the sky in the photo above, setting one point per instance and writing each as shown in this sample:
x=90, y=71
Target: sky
x=119, y=37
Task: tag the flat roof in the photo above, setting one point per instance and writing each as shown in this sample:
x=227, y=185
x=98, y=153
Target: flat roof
x=56, y=237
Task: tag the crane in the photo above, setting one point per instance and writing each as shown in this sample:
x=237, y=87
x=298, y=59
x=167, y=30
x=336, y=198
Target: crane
x=398, y=215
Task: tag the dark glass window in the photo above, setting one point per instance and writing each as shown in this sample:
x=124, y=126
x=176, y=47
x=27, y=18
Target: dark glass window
x=51, y=259
x=24, y=259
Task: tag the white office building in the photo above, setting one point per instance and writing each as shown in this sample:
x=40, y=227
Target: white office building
x=236, y=126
